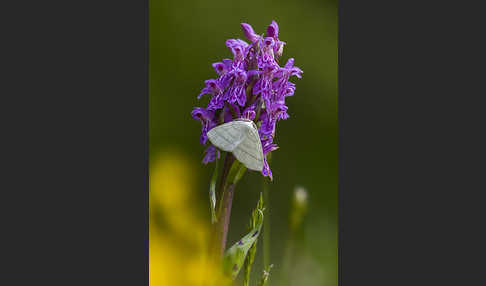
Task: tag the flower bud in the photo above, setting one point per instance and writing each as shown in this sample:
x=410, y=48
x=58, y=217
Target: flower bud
x=249, y=32
x=299, y=208
x=272, y=30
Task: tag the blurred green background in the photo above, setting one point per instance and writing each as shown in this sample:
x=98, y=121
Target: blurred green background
x=185, y=38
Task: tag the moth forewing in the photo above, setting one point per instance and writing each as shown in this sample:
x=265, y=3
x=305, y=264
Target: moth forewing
x=227, y=136
x=241, y=138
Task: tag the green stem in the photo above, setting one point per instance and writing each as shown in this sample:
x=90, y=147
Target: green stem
x=287, y=260
x=232, y=173
x=224, y=217
x=266, y=221
x=216, y=247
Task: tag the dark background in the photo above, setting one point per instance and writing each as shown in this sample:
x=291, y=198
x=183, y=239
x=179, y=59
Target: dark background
x=186, y=37
x=74, y=187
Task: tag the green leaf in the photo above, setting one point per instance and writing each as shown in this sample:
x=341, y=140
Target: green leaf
x=235, y=256
x=236, y=172
x=255, y=219
x=249, y=262
x=212, y=193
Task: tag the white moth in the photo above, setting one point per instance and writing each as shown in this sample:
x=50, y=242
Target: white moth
x=241, y=138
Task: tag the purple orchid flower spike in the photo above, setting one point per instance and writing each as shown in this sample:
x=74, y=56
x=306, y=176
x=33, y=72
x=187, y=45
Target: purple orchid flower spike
x=252, y=85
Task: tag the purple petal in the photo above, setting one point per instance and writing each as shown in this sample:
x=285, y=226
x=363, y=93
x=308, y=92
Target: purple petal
x=268, y=125
x=289, y=64
x=238, y=47
x=272, y=30
x=269, y=42
x=249, y=112
x=269, y=148
x=249, y=32
x=253, y=72
x=220, y=68
x=278, y=48
x=296, y=71
x=266, y=169
x=227, y=62
x=200, y=113
x=216, y=102
x=203, y=92
x=212, y=153
x=241, y=97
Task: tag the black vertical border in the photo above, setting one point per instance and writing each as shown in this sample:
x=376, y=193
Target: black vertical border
x=147, y=138
x=74, y=190
x=411, y=143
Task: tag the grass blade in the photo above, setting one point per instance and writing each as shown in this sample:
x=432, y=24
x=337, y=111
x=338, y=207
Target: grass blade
x=212, y=193
x=266, y=273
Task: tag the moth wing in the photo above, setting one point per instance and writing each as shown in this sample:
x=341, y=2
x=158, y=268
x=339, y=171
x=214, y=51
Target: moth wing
x=249, y=151
x=227, y=136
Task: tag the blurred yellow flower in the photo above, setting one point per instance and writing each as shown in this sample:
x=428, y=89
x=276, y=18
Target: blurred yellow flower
x=178, y=237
